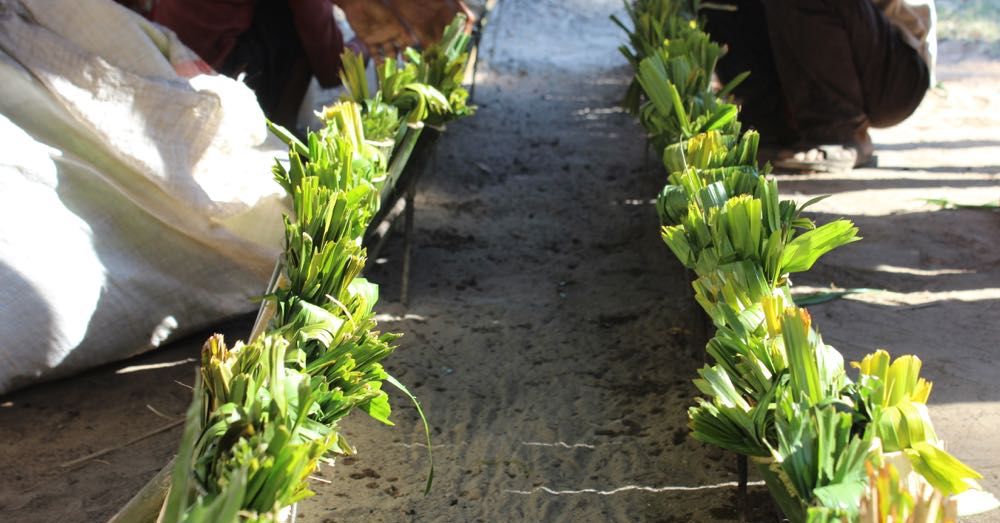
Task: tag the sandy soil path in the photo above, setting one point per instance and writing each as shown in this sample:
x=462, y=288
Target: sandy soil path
x=550, y=334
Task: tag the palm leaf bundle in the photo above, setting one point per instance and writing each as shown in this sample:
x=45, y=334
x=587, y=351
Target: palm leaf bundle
x=380, y=120
x=719, y=207
x=718, y=229
x=674, y=60
x=249, y=444
x=891, y=497
x=426, y=85
x=894, y=397
x=818, y=467
x=785, y=405
x=726, y=419
x=680, y=103
x=442, y=65
x=653, y=22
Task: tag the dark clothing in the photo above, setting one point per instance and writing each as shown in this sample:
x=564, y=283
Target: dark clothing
x=209, y=28
x=279, y=45
x=270, y=56
x=821, y=71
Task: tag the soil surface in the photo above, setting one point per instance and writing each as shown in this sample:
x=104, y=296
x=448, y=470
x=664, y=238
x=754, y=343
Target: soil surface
x=551, y=336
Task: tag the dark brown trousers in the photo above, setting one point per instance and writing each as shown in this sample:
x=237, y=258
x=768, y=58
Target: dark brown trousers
x=821, y=71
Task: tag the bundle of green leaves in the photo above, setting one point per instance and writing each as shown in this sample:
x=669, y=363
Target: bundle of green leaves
x=249, y=444
x=893, y=400
x=426, y=86
x=653, y=22
x=380, y=120
x=892, y=497
x=674, y=60
x=719, y=208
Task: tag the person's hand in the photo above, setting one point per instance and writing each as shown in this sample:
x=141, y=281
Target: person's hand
x=388, y=26
x=377, y=26
x=358, y=47
x=426, y=19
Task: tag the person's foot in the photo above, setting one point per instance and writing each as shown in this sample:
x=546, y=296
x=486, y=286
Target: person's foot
x=821, y=157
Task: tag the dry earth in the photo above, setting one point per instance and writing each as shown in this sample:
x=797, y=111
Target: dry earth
x=551, y=336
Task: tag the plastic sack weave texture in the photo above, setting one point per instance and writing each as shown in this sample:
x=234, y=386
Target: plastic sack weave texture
x=136, y=199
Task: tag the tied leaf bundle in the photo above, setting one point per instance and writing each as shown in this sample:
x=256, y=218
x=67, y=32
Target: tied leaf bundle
x=894, y=397
x=891, y=497
x=426, y=86
x=820, y=458
x=653, y=21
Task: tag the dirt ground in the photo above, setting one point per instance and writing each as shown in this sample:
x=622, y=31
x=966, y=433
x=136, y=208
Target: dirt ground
x=551, y=336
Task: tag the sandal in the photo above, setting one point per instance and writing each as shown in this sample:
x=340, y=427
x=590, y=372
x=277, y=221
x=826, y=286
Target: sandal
x=824, y=158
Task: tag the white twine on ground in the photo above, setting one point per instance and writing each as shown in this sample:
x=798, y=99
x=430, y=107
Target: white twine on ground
x=627, y=488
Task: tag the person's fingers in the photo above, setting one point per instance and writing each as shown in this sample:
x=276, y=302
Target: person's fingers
x=387, y=33
x=358, y=47
x=371, y=21
x=425, y=19
x=470, y=17
x=386, y=50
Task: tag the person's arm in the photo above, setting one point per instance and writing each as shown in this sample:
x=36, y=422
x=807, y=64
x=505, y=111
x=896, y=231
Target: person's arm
x=210, y=29
x=320, y=37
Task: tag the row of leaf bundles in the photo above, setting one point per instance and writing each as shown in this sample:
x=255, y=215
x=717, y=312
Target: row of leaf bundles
x=265, y=413
x=742, y=243
x=425, y=87
x=777, y=393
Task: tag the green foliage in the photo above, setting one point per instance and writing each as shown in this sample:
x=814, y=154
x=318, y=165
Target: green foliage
x=776, y=391
x=680, y=103
x=353, y=76
x=427, y=86
x=894, y=498
x=380, y=120
x=266, y=412
x=251, y=440
x=271, y=406
x=894, y=397
x=821, y=459
x=674, y=60
x=653, y=22
x=728, y=420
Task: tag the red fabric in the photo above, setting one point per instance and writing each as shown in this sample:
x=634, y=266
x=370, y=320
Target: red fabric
x=209, y=28
x=212, y=27
x=320, y=37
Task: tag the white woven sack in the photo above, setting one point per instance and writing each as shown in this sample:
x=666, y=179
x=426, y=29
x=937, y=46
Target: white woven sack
x=136, y=203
